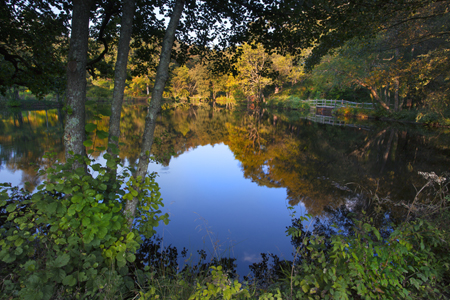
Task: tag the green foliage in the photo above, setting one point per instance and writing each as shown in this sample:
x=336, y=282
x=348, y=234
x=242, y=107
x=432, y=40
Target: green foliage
x=99, y=90
x=220, y=284
x=366, y=265
x=71, y=238
x=288, y=102
x=13, y=103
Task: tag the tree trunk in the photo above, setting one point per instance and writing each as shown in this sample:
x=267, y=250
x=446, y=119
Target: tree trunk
x=16, y=93
x=74, y=132
x=120, y=73
x=162, y=74
x=373, y=92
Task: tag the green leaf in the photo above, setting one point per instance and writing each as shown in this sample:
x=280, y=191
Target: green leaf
x=111, y=164
x=50, y=187
x=60, y=274
x=105, y=111
x=18, y=242
x=18, y=251
x=121, y=263
x=86, y=221
x=71, y=210
x=130, y=236
x=82, y=276
x=62, y=260
x=51, y=208
x=88, y=143
x=131, y=257
x=70, y=280
x=10, y=207
x=77, y=198
x=90, y=127
x=102, y=134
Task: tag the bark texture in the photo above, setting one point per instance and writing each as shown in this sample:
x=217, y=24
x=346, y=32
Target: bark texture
x=120, y=72
x=74, y=131
x=162, y=74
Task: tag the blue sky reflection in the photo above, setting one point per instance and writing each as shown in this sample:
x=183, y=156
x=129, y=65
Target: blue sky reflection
x=213, y=207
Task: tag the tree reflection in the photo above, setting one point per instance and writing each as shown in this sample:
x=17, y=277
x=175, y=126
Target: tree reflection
x=25, y=137
x=319, y=165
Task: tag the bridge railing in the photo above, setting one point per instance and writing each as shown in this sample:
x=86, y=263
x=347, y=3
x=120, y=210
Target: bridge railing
x=338, y=103
x=330, y=120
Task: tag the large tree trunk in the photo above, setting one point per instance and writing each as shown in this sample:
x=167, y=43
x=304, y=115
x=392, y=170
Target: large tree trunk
x=120, y=72
x=373, y=92
x=162, y=74
x=74, y=132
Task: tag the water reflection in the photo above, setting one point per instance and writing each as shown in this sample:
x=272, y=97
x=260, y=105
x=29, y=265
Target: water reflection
x=227, y=176
x=318, y=164
x=25, y=137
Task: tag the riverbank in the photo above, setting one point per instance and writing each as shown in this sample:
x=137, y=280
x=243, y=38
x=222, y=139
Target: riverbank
x=409, y=116
x=32, y=104
x=418, y=117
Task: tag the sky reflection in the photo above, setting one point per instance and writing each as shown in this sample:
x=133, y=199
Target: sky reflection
x=213, y=207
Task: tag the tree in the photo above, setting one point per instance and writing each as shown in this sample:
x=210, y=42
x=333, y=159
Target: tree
x=74, y=133
x=120, y=73
x=33, y=45
x=253, y=67
x=286, y=69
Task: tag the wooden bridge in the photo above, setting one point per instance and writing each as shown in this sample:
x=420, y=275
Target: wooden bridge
x=323, y=103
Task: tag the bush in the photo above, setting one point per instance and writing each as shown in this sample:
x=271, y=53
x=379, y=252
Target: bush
x=365, y=265
x=70, y=239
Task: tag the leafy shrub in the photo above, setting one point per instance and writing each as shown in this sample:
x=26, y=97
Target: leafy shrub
x=366, y=265
x=70, y=239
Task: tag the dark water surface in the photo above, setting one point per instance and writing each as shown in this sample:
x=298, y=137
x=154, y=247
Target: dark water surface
x=227, y=177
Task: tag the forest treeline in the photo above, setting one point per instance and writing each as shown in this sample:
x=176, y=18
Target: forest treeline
x=403, y=65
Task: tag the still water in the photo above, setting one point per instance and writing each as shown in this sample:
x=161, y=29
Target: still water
x=228, y=177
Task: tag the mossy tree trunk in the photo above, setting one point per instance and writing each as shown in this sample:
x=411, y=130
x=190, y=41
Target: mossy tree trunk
x=74, y=131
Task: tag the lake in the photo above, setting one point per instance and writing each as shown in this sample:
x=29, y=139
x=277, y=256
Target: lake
x=227, y=177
